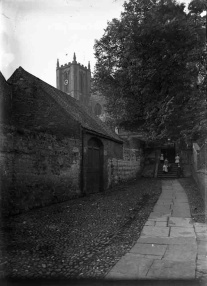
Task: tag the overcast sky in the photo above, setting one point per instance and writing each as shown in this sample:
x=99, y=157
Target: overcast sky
x=34, y=33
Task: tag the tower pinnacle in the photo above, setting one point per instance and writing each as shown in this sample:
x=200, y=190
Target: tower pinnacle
x=74, y=58
x=89, y=66
x=57, y=63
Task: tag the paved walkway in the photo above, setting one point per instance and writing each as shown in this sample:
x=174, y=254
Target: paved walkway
x=171, y=246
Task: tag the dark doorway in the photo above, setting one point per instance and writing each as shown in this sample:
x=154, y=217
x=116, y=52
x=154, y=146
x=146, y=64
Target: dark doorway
x=94, y=182
x=169, y=153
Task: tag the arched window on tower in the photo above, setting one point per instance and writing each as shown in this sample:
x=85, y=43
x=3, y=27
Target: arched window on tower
x=81, y=82
x=83, y=88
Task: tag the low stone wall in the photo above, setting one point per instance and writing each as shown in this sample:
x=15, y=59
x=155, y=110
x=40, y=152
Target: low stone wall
x=122, y=170
x=200, y=176
x=37, y=169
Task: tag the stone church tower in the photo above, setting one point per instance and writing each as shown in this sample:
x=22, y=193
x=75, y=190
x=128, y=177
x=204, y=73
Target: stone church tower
x=74, y=79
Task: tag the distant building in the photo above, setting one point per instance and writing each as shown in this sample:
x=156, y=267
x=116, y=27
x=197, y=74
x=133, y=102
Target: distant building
x=74, y=79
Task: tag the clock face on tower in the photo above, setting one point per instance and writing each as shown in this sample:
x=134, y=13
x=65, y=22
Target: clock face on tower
x=65, y=82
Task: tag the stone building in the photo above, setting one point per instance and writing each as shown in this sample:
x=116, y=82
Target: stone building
x=52, y=149
x=74, y=79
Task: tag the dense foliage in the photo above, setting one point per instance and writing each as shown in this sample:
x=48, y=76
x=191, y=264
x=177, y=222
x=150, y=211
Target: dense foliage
x=149, y=64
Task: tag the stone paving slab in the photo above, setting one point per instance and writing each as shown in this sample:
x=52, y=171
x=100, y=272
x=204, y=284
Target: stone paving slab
x=164, y=209
x=155, y=215
x=181, y=200
x=181, y=213
x=197, y=224
x=172, y=269
x=131, y=266
x=202, y=266
x=202, y=257
x=167, y=240
x=180, y=222
x=164, y=203
x=178, y=203
x=182, y=232
x=181, y=206
x=152, y=249
x=181, y=252
x=170, y=246
x=202, y=277
x=148, y=256
x=161, y=218
x=155, y=231
x=201, y=230
x=160, y=223
x=202, y=248
x=201, y=237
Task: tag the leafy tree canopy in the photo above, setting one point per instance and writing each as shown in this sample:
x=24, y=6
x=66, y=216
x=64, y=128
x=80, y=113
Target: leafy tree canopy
x=148, y=63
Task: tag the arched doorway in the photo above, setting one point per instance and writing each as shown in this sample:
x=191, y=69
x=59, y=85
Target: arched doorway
x=94, y=181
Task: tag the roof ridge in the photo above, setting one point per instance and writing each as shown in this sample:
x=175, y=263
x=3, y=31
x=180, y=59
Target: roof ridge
x=71, y=106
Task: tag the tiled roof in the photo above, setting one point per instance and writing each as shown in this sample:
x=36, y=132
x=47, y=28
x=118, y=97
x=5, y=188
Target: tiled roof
x=73, y=107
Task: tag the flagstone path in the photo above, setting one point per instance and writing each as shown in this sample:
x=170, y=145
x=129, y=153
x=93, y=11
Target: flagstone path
x=170, y=246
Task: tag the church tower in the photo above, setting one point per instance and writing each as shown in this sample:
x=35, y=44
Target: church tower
x=74, y=79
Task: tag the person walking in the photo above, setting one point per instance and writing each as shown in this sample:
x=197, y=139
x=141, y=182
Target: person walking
x=177, y=159
x=165, y=168
x=179, y=171
x=161, y=158
x=166, y=162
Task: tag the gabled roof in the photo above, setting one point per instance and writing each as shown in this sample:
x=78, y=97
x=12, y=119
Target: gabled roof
x=73, y=107
x=4, y=86
x=5, y=100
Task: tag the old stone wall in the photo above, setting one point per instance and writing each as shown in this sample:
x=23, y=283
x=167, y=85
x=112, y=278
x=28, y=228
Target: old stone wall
x=199, y=171
x=37, y=169
x=122, y=170
x=200, y=176
x=202, y=183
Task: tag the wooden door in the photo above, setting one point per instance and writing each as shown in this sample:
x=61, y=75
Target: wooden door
x=94, y=166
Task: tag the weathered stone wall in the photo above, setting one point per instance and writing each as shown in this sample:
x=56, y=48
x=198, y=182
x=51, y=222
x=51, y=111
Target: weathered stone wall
x=122, y=170
x=126, y=168
x=131, y=154
x=202, y=182
x=37, y=169
x=199, y=174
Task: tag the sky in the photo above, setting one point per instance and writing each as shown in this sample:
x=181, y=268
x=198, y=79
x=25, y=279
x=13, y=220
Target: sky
x=35, y=33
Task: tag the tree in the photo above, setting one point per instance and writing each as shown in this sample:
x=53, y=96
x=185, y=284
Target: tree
x=148, y=65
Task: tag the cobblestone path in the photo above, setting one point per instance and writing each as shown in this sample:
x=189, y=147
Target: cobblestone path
x=79, y=238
